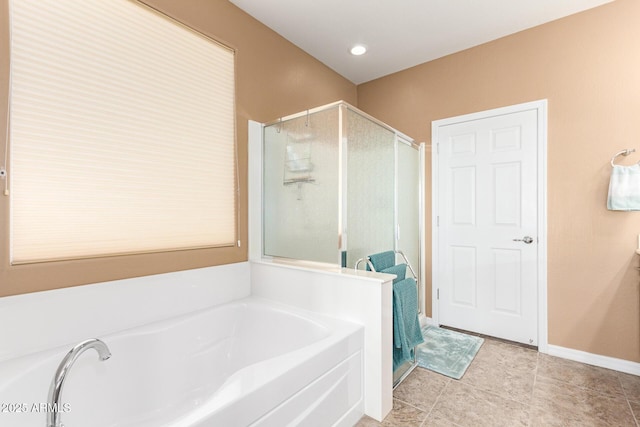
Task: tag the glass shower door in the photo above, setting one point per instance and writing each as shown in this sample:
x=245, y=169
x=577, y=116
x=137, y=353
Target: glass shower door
x=370, y=197
x=408, y=204
x=301, y=188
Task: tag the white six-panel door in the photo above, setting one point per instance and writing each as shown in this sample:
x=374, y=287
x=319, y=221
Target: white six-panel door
x=487, y=223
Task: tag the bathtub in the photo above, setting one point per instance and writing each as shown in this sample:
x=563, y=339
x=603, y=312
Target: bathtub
x=251, y=362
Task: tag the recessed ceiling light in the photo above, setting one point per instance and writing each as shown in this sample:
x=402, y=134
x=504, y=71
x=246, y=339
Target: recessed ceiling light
x=358, y=50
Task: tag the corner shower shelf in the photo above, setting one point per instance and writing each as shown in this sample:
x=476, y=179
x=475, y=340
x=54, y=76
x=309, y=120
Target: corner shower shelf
x=298, y=180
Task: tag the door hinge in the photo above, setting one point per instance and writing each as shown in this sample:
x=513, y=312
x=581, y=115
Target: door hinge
x=438, y=293
x=437, y=147
x=438, y=221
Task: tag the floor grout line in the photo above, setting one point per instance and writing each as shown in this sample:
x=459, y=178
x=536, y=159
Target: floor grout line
x=586, y=388
x=410, y=404
x=435, y=402
x=540, y=374
x=632, y=414
x=414, y=407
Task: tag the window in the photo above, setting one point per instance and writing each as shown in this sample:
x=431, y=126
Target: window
x=122, y=132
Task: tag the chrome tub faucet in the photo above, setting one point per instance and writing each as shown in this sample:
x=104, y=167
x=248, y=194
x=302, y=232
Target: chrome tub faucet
x=53, y=403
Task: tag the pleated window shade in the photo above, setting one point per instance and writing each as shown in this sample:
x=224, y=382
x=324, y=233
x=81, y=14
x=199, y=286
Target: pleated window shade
x=122, y=132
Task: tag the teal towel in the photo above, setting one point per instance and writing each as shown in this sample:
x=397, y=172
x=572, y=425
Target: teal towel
x=624, y=188
x=399, y=270
x=383, y=260
x=406, y=326
x=398, y=358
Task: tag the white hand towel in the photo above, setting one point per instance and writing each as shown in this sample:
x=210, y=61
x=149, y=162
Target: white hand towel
x=624, y=188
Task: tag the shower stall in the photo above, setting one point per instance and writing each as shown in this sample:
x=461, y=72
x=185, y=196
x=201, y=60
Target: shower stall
x=339, y=185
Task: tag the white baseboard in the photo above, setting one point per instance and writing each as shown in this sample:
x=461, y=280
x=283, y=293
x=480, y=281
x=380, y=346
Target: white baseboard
x=595, y=359
x=607, y=362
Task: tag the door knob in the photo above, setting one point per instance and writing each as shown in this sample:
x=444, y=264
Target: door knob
x=526, y=239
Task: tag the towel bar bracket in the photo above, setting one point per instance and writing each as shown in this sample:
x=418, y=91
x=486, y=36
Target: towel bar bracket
x=624, y=152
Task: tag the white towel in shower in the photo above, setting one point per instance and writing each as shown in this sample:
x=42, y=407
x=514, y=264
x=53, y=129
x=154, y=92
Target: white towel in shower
x=624, y=188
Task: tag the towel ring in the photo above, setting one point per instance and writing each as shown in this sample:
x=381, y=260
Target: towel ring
x=622, y=153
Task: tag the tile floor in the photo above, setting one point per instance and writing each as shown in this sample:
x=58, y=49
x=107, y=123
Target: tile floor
x=509, y=385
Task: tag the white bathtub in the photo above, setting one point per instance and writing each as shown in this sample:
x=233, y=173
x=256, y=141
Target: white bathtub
x=249, y=362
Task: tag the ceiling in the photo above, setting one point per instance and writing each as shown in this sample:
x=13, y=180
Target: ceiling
x=402, y=33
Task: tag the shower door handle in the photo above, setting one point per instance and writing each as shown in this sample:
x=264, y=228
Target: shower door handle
x=527, y=239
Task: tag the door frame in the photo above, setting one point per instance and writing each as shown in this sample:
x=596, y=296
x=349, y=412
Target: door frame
x=540, y=107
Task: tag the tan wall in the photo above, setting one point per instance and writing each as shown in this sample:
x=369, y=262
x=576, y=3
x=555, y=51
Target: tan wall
x=588, y=67
x=274, y=78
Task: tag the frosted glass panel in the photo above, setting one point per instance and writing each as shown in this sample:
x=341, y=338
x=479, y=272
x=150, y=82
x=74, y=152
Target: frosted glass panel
x=301, y=188
x=370, y=187
x=338, y=186
x=409, y=204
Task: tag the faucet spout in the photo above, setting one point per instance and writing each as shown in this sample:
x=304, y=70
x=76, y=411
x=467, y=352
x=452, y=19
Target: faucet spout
x=55, y=390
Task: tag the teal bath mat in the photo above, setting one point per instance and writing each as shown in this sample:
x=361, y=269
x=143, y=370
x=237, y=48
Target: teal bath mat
x=447, y=352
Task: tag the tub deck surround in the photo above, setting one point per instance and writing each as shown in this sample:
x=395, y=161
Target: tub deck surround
x=248, y=362
x=357, y=296
x=41, y=327
x=70, y=315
